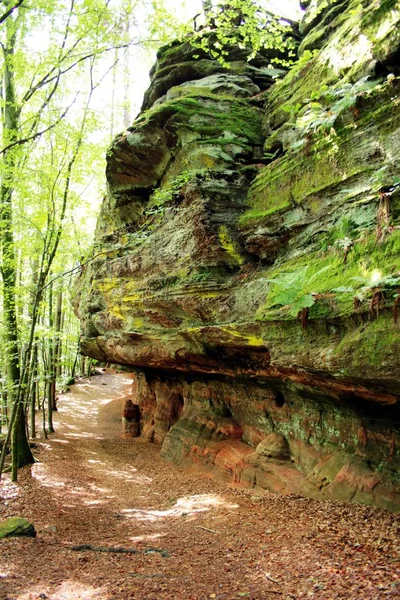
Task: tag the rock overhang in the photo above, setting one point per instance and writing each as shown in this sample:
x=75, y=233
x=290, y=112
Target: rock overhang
x=278, y=268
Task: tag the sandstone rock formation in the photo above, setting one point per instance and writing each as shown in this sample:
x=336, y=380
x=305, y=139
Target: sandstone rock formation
x=247, y=260
x=130, y=419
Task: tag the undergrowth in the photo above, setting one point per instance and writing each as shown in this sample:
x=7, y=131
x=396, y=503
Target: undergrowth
x=328, y=283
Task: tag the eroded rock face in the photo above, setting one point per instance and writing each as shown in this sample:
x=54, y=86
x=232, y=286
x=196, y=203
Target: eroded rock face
x=285, y=438
x=251, y=271
x=130, y=419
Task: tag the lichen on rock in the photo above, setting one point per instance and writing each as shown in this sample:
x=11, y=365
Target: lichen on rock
x=250, y=275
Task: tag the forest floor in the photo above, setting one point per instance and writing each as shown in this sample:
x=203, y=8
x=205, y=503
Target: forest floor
x=191, y=537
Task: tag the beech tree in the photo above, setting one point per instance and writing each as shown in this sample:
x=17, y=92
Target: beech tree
x=11, y=112
x=45, y=120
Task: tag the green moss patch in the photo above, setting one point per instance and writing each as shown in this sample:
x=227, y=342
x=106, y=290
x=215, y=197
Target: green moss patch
x=330, y=286
x=210, y=115
x=16, y=527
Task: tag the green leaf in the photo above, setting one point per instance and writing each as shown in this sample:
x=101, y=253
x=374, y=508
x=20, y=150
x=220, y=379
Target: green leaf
x=303, y=302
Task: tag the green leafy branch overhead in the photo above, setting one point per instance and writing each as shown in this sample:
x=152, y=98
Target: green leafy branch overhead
x=248, y=25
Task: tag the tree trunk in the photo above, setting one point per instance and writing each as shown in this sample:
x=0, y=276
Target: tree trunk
x=113, y=92
x=21, y=453
x=34, y=391
x=75, y=363
x=50, y=373
x=82, y=366
x=127, y=77
x=58, y=330
x=3, y=404
x=33, y=371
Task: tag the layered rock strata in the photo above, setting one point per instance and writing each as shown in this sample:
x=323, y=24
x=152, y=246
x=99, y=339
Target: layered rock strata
x=248, y=260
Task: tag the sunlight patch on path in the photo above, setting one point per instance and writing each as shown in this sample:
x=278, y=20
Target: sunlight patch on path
x=185, y=506
x=68, y=590
x=203, y=502
x=125, y=472
x=66, y=490
x=151, y=537
x=81, y=411
x=126, y=476
x=84, y=435
x=8, y=489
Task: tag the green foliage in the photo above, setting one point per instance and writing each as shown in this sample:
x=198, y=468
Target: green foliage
x=292, y=109
x=293, y=290
x=307, y=280
x=388, y=283
x=342, y=235
x=164, y=196
x=300, y=66
x=247, y=24
x=305, y=58
x=316, y=117
x=382, y=179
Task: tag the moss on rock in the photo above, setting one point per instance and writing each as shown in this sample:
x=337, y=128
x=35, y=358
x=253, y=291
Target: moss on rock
x=16, y=527
x=261, y=291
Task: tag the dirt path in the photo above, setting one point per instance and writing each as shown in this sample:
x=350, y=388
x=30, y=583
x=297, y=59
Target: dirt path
x=196, y=538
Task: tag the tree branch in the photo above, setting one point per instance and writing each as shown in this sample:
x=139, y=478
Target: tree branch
x=10, y=11
x=38, y=133
x=49, y=77
x=79, y=267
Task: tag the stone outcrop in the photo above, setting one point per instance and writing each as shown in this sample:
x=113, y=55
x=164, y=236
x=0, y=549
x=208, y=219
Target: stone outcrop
x=16, y=527
x=247, y=260
x=130, y=415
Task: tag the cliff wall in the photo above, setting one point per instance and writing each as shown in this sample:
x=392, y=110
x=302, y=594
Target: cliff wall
x=247, y=259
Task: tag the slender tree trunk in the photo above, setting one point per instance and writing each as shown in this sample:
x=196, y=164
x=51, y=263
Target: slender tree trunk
x=58, y=331
x=43, y=407
x=82, y=366
x=32, y=373
x=113, y=92
x=127, y=78
x=61, y=360
x=43, y=397
x=3, y=403
x=74, y=364
x=21, y=452
x=50, y=372
x=34, y=390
